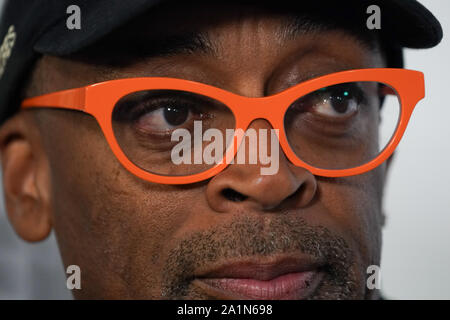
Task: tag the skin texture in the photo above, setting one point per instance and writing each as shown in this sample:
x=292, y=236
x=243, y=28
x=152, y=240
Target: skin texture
x=136, y=239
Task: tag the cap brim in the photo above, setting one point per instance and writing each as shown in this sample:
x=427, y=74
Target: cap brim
x=412, y=25
x=407, y=22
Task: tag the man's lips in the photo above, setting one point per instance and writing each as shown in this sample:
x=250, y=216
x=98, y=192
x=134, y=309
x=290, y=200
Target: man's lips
x=282, y=278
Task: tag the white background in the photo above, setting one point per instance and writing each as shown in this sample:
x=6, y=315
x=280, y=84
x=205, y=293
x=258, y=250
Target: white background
x=416, y=249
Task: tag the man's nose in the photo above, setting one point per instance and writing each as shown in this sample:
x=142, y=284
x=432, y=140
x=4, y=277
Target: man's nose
x=241, y=186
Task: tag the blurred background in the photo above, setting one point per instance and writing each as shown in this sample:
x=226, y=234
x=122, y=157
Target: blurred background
x=416, y=239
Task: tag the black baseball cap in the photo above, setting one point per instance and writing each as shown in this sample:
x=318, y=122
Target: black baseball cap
x=30, y=28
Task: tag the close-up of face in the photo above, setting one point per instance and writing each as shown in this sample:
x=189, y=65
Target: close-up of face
x=235, y=235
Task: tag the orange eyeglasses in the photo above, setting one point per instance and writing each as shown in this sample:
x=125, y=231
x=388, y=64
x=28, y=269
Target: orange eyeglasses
x=337, y=125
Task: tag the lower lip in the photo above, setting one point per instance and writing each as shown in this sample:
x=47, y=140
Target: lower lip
x=291, y=286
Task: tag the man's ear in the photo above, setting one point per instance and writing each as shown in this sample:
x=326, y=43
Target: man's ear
x=26, y=182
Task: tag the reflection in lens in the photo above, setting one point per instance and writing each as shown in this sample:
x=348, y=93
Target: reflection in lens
x=342, y=126
x=154, y=126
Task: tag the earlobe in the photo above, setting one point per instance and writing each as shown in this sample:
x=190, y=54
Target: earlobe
x=25, y=179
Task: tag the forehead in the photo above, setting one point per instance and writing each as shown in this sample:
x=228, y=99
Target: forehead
x=222, y=40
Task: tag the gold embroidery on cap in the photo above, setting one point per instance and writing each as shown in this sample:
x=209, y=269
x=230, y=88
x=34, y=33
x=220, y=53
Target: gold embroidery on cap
x=6, y=48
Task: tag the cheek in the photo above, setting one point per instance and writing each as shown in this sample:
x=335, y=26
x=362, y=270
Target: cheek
x=355, y=204
x=113, y=225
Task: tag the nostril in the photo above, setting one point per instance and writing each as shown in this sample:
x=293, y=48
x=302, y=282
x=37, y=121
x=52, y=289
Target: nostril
x=233, y=195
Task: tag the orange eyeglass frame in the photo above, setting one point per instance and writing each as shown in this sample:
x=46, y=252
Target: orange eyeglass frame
x=99, y=100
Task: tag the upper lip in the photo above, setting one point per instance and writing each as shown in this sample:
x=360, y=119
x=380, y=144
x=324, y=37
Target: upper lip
x=261, y=269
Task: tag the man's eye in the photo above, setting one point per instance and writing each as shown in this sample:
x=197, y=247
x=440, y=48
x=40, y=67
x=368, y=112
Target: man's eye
x=166, y=118
x=338, y=101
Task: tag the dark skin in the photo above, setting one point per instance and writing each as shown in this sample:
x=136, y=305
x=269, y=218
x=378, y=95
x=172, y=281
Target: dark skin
x=137, y=239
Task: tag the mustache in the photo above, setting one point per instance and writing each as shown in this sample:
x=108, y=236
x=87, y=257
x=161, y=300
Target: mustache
x=247, y=237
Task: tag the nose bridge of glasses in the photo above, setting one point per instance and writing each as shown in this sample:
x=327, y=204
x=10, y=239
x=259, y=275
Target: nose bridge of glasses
x=269, y=108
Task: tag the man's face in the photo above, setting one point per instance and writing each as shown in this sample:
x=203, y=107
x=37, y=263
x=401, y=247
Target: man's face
x=239, y=234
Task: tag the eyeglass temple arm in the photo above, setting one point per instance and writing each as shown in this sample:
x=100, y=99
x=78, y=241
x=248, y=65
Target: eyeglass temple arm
x=74, y=99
